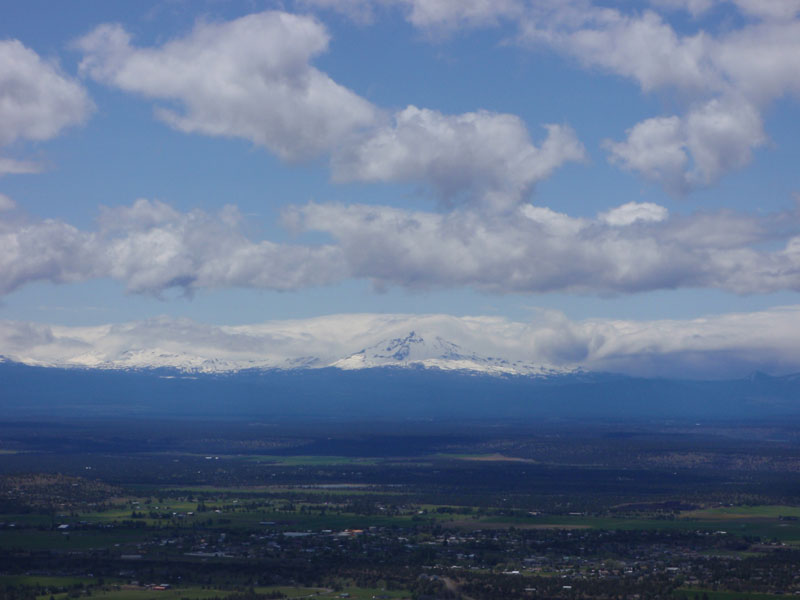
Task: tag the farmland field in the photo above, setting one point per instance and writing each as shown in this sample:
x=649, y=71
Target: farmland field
x=524, y=515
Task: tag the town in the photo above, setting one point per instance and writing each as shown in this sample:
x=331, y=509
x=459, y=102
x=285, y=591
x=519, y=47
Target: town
x=129, y=526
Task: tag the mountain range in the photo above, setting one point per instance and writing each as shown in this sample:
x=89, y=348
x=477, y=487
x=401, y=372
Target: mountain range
x=412, y=350
x=411, y=376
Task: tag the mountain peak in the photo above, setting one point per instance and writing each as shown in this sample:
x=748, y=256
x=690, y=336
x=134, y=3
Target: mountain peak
x=400, y=348
x=414, y=350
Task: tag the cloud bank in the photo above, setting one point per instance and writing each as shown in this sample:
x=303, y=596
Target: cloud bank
x=150, y=247
x=716, y=346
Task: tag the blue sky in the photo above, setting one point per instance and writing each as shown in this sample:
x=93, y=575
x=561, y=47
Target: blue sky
x=234, y=163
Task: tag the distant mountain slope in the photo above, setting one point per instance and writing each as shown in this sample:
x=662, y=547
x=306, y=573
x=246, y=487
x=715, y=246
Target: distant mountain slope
x=399, y=394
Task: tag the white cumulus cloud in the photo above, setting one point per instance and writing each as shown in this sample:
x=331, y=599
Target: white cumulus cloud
x=252, y=78
x=249, y=78
x=695, y=7
x=428, y=14
x=151, y=247
x=6, y=203
x=692, y=151
x=762, y=9
x=459, y=13
x=769, y=9
x=632, y=248
x=37, y=102
x=482, y=157
x=12, y=166
x=726, y=80
x=633, y=212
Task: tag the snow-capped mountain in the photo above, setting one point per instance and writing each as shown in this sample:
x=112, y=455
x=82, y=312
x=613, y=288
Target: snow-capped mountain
x=436, y=353
x=409, y=351
x=159, y=358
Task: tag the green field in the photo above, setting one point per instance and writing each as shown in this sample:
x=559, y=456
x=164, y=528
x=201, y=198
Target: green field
x=731, y=513
x=74, y=540
x=199, y=593
x=44, y=580
x=754, y=522
x=295, y=461
x=717, y=595
x=193, y=593
x=260, y=490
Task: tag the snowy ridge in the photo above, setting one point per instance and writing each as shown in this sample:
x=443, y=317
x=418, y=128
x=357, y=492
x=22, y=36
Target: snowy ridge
x=155, y=358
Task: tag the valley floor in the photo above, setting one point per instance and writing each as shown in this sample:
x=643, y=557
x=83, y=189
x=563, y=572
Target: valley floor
x=202, y=511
